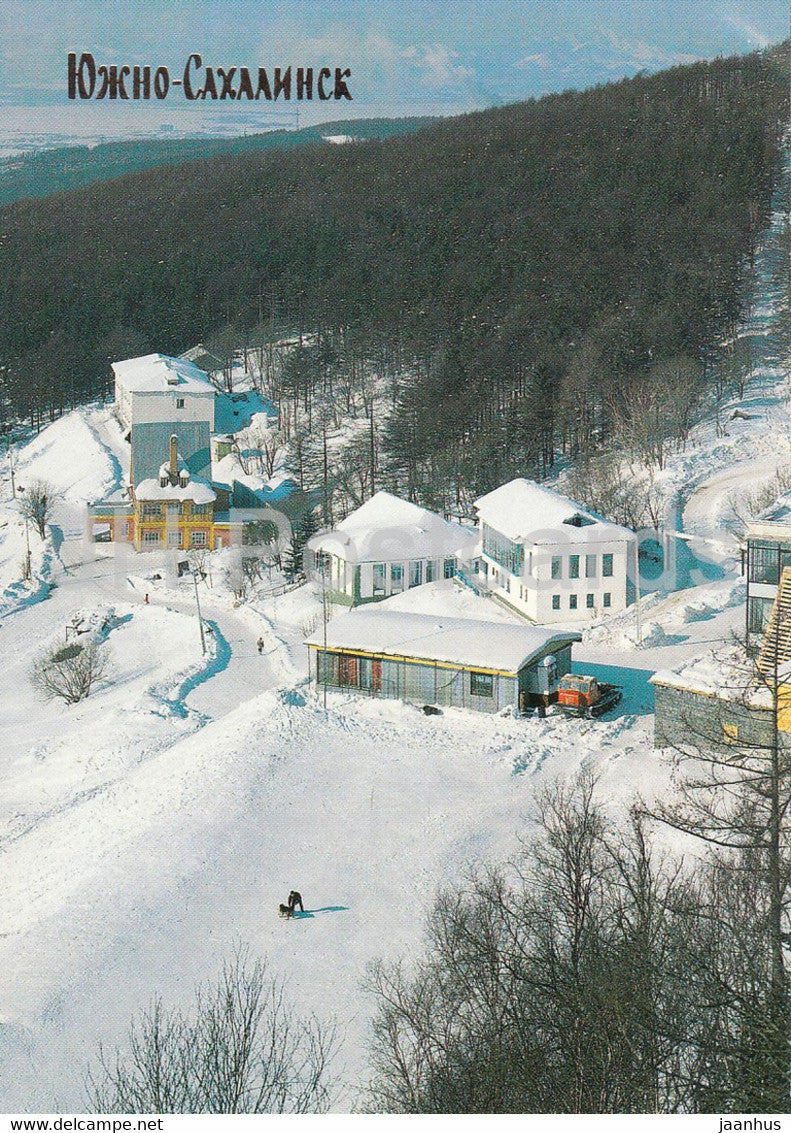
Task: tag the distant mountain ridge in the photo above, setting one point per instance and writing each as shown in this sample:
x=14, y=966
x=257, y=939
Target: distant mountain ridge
x=62, y=168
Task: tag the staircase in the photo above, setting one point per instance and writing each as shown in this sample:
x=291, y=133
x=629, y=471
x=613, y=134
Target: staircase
x=776, y=645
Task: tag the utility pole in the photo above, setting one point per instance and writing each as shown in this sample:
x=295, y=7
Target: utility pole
x=28, y=569
x=200, y=619
x=11, y=464
x=323, y=568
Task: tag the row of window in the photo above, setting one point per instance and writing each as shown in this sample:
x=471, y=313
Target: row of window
x=153, y=509
x=575, y=563
x=366, y=673
x=590, y=601
x=420, y=570
x=154, y=539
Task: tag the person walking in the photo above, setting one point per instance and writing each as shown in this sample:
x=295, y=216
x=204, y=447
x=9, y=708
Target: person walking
x=260, y=645
x=294, y=899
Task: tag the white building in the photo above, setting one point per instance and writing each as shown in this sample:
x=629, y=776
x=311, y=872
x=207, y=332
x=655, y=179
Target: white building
x=550, y=558
x=387, y=546
x=155, y=389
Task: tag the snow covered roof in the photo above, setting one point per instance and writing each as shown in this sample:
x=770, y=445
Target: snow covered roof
x=524, y=511
x=386, y=527
x=459, y=641
x=196, y=490
x=723, y=672
x=158, y=373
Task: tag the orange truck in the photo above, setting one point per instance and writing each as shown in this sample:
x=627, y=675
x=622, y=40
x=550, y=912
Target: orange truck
x=586, y=696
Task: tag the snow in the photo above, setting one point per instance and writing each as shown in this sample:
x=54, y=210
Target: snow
x=158, y=373
x=197, y=490
x=448, y=599
x=460, y=641
x=524, y=510
x=69, y=455
x=386, y=527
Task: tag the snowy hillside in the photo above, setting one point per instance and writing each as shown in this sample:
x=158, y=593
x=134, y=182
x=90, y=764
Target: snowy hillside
x=151, y=826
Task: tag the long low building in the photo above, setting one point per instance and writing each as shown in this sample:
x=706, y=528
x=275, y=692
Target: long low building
x=430, y=659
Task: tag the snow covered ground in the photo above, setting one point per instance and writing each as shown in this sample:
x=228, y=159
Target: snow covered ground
x=148, y=828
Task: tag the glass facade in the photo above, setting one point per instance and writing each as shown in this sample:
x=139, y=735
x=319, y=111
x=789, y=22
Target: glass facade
x=764, y=562
x=502, y=550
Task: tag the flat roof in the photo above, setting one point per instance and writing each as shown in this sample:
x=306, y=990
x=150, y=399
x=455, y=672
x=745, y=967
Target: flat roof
x=427, y=637
x=159, y=373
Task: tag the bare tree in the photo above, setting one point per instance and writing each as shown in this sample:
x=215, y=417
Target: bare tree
x=734, y=780
x=555, y=985
x=241, y=1051
x=70, y=671
x=36, y=504
x=235, y=574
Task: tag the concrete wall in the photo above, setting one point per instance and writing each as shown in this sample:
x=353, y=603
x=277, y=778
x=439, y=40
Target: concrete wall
x=137, y=407
x=533, y=591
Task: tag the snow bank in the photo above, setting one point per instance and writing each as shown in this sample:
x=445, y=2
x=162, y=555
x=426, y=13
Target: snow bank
x=69, y=456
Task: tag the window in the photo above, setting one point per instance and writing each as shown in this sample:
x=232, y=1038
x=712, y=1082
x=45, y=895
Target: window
x=151, y=537
x=396, y=577
x=150, y=509
x=606, y=566
x=416, y=572
x=555, y=601
x=431, y=570
x=574, y=566
x=179, y=403
x=758, y=611
x=557, y=566
x=590, y=566
x=449, y=568
x=764, y=562
x=502, y=550
x=379, y=578
x=607, y=601
x=572, y=601
x=481, y=684
x=198, y=539
x=589, y=601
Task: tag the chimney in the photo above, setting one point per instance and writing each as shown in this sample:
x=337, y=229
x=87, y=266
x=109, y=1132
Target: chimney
x=174, y=459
